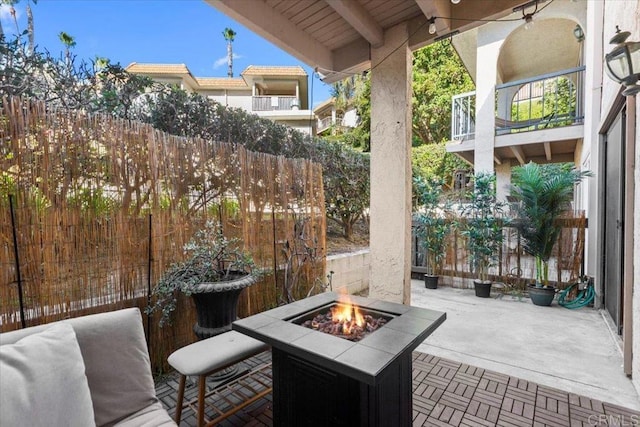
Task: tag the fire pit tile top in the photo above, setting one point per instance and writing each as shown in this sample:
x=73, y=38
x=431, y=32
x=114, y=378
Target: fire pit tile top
x=389, y=340
x=364, y=360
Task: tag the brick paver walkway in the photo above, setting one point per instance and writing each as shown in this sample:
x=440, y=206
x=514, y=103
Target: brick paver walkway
x=447, y=393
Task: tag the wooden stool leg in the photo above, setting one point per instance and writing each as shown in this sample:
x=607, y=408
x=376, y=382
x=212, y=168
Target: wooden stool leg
x=202, y=386
x=178, y=415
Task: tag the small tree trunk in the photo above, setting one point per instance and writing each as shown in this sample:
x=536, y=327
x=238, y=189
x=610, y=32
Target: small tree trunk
x=230, y=59
x=347, y=227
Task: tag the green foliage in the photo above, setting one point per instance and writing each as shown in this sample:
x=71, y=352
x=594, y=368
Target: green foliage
x=102, y=87
x=209, y=257
x=355, y=92
x=481, y=223
x=178, y=112
x=344, y=92
x=432, y=162
x=438, y=74
x=543, y=193
x=559, y=101
x=227, y=207
x=93, y=201
x=345, y=174
x=431, y=221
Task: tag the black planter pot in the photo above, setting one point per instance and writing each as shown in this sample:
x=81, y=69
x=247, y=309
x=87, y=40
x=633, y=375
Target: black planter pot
x=217, y=304
x=431, y=281
x=482, y=288
x=541, y=296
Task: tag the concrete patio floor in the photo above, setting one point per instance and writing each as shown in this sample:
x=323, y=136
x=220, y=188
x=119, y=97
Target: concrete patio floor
x=571, y=350
x=482, y=368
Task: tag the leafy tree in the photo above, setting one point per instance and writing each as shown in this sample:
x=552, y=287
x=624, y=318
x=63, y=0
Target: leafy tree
x=354, y=92
x=438, y=74
x=432, y=162
x=481, y=223
x=69, y=42
x=543, y=193
x=345, y=174
x=344, y=92
x=431, y=221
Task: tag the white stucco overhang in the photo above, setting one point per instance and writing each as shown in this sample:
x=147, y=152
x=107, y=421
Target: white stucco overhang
x=286, y=114
x=541, y=146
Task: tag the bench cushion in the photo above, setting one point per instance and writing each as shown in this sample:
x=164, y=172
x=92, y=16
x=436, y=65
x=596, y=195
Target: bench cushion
x=215, y=353
x=43, y=381
x=116, y=360
x=151, y=416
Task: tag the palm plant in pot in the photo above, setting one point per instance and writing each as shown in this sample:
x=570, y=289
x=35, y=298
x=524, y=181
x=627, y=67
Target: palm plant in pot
x=431, y=226
x=542, y=194
x=481, y=222
x=213, y=272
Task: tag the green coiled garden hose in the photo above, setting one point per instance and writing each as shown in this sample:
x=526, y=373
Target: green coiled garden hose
x=584, y=297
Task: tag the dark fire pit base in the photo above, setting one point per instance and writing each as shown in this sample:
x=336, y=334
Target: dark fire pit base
x=305, y=394
x=322, y=380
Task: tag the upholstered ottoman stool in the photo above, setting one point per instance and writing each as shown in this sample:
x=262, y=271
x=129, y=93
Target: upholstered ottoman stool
x=206, y=357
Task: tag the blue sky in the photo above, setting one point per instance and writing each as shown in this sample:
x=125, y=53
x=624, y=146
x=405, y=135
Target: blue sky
x=153, y=31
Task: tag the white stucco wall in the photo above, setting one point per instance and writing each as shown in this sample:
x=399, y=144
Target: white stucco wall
x=625, y=14
x=350, y=118
x=242, y=100
x=390, y=213
x=490, y=40
x=350, y=271
x=636, y=251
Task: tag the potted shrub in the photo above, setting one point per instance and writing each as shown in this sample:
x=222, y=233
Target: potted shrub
x=481, y=223
x=214, y=272
x=431, y=226
x=542, y=193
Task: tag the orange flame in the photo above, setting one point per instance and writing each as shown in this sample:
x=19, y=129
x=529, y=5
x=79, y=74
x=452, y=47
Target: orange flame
x=348, y=316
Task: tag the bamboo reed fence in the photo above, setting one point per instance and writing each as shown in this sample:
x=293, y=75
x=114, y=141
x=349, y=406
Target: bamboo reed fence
x=93, y=209
x=514, y=267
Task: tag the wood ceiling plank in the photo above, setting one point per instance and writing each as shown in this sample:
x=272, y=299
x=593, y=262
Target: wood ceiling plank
x=312, y=12
x=392, y=13
x=358, y=17
x=273, y=26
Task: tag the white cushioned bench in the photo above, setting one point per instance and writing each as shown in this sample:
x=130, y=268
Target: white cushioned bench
x=206, y=357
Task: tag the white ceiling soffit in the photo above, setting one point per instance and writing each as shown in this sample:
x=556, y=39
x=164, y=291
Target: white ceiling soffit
x=546, y=47
x=335, y=36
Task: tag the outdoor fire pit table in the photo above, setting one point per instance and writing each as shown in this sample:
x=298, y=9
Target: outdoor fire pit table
x=322, y=379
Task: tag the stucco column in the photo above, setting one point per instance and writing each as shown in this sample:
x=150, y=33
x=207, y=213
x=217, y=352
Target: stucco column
x=488, y=52
x=390, y=226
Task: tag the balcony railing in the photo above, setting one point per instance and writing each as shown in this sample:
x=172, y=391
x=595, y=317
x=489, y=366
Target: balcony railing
x=327, y=122
x=546, y=101
x=324, y=123
x=463, y=108
x=271, y=103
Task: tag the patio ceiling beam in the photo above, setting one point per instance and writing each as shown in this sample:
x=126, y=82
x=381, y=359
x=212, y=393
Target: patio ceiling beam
x=432, y=8
x=497, y=159
x=468, y=14
x=547, y=150
x=357, y=16
x=517, y=151
x=273, y=26
x=352, y=58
